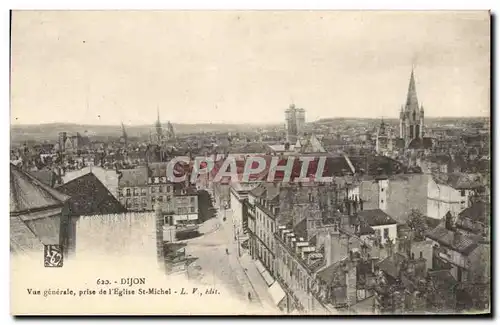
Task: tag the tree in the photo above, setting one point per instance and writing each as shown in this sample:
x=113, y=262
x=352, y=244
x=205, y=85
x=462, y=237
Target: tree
x=417, y=224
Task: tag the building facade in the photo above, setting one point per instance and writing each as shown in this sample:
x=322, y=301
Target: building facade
x=295, y=121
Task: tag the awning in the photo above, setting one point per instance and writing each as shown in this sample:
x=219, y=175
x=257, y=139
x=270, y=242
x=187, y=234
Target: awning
x=268, y=278
x=277, y=293
x=264, y=273
x=260, y=266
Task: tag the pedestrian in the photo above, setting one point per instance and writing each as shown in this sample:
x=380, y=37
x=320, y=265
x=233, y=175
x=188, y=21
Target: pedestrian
x=249, y=297
x=227, y=252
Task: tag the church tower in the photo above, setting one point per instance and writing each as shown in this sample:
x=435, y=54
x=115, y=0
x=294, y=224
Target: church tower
x=411, y=116
x=159, y=131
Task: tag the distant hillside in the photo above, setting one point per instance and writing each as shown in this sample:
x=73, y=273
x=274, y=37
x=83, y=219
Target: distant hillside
x=49, y=132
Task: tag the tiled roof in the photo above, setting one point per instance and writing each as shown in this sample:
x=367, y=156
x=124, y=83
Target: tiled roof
x=90, y=197
x=258, y=191
x=442, y=280
x=454, y=240
x=334, y=275
x=364, y=229
x=28, y=194
x=479, y=211
x=459, y=180
x=376, y=217
x=420, y=143
x=300, y=228
x=391, y=265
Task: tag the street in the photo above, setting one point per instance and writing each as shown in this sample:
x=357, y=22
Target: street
x=217, y=267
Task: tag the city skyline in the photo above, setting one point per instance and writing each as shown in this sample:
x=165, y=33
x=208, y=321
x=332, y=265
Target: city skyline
x=242, y=67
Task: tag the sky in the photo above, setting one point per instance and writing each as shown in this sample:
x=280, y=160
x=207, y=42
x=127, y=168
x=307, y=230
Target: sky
x=108, y=67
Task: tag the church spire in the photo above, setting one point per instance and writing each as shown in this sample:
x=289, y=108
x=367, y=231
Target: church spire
x=124, y=133
x=411, y=98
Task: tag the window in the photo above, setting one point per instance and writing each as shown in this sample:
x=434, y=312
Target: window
x=192, y=200
x=462, y=192
x=382, y=189
x=153, y=200
x=160, y=189
x=168, y=189
x=144, y=202
x=153, y=189
x=386, y=233
x=144, y=191
x=160, y=198
x=192, y=209
x=128, y=191
x=157, y=180
x=136, y=191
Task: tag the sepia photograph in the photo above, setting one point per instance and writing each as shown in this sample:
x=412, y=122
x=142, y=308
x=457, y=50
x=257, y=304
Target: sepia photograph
x=196, y=162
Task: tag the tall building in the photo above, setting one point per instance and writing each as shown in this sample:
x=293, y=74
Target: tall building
x=62, y=141
x=384, y=142
x=295, y=120
x=411, y=117
x=158, y=136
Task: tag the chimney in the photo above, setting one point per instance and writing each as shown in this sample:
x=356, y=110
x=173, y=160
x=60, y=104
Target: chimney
x=448, y=221
x=351, y=284
x=389, y=245
x=348, y=207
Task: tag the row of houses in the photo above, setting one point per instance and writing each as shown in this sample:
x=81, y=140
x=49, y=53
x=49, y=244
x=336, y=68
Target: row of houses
x=343, y=248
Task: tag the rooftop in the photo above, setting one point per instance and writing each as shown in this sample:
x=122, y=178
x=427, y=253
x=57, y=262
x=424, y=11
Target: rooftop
x=453, y=239
x=28, y=193
x=376, y=217
x=90, y=197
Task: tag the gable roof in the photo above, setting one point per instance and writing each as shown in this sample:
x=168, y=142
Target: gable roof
x=420, y=143
x=376, y=217
x=334, y=274
x=459, y=180
x=90, y=197
x=28, y=194
x=391, y=265
x=453, y=239
x=478, y=211
x=22, y=239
